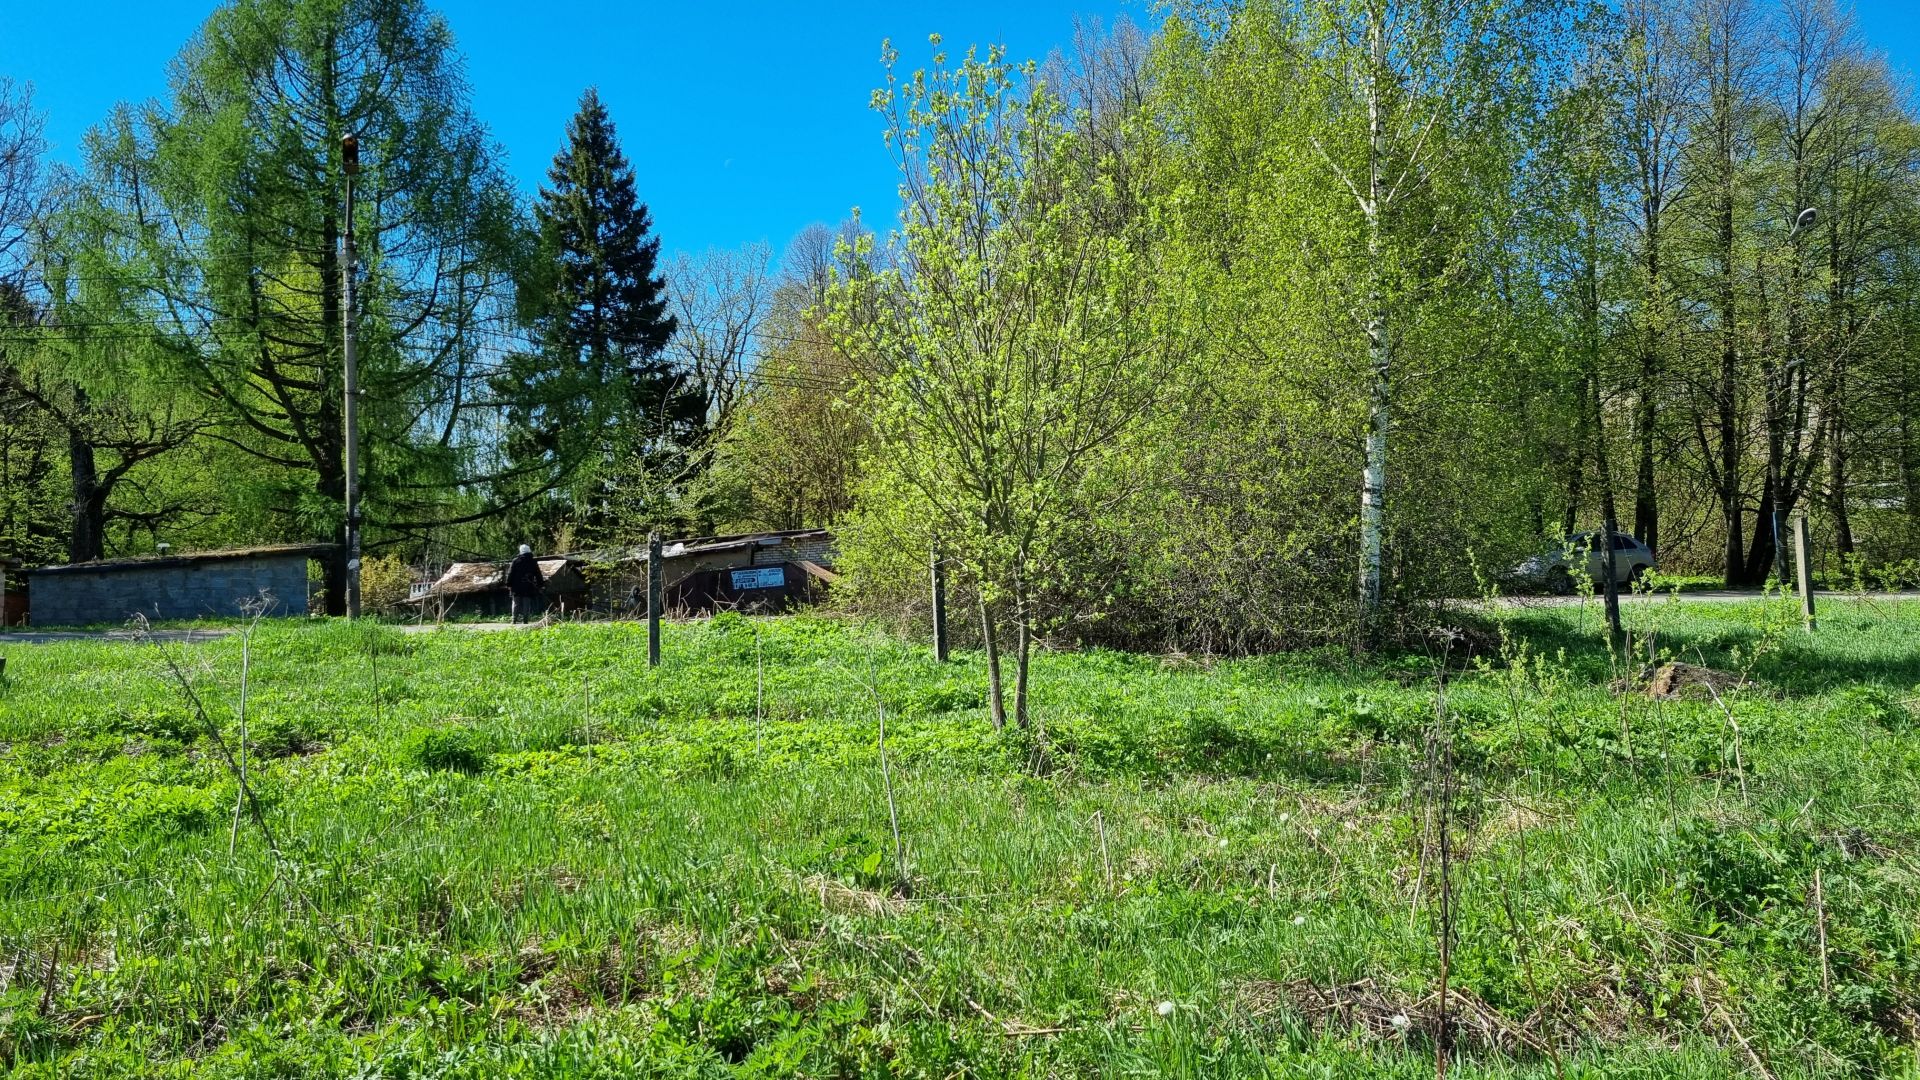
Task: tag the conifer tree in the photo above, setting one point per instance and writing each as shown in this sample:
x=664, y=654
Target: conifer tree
x=604, y=400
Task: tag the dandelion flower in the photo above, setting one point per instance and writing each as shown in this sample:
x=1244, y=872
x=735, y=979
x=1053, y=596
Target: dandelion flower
x=1299, y=920
x=1165, y=1008
x=1401, y=1022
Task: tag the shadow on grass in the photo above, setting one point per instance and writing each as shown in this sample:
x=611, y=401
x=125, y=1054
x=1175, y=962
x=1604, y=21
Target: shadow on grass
x=1850, y=648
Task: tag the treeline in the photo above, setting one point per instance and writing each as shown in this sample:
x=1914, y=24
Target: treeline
x=1260, y=328
x=1296, y=314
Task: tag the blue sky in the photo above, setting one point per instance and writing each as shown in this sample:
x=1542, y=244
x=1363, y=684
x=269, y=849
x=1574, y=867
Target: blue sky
x=746, y=121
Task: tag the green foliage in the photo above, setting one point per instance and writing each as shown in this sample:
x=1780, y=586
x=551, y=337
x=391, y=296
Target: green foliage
x=450, y=749
x=385, y=583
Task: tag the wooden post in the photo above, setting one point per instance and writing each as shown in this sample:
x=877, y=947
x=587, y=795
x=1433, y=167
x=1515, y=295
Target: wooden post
x=1803, y=567
x=939, y=572
x=656, y=592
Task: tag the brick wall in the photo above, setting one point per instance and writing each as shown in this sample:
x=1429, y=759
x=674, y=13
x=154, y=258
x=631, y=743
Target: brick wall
x=168, y=591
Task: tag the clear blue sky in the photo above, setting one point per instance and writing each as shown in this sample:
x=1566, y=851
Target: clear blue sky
x=754, y=114
x=745, y=121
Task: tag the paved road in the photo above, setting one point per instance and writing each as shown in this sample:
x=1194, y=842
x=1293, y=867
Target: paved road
x=1712, y=596
x=170, y=637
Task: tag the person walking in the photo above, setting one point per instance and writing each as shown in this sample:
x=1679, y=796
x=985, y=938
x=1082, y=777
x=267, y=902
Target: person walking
x=524, y=584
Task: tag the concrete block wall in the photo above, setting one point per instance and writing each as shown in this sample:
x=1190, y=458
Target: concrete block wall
x=818, y=552
x=190, y=590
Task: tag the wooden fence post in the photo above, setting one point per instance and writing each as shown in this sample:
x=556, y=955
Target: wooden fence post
x=1803, y=567
x=938, y=570
x=656, y=591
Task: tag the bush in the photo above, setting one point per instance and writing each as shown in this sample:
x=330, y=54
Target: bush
x=385, y=581
x=445, y=750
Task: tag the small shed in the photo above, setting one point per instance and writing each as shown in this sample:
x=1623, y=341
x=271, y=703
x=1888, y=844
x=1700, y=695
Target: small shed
x=187, y=586
x=480, y=588
x=756, y=572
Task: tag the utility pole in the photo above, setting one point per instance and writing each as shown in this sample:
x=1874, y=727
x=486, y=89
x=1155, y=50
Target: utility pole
x=350, y=164
x=1801, y=222
x=939, y=573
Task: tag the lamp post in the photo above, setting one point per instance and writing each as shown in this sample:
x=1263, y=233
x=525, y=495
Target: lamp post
x=350, y=165
x=1801, y=222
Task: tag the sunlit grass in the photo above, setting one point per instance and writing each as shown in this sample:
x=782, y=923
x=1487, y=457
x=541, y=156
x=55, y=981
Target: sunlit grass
x=527, y=854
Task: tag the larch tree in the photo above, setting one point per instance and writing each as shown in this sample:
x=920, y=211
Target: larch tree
x=216, y=220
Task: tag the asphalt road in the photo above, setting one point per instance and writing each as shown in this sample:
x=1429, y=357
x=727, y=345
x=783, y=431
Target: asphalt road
x=1711, y=596
x=169, y=637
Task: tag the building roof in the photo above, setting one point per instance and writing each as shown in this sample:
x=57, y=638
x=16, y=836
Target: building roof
x=463, y=578
x=192, y=558
x=707, y=545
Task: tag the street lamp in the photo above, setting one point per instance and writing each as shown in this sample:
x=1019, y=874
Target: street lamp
x=350, y=165
x=1801, y=222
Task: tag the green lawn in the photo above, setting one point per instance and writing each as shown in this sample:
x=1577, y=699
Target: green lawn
x=524, y=854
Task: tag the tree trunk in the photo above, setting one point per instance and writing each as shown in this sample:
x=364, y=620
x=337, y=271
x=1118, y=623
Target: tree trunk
x=87, y=540
x=1837, y=488
x=1646, y=503
x=990, y=640
x=1373, y=482
x=1023, y=630
x=333, y=568
x=1760, y=553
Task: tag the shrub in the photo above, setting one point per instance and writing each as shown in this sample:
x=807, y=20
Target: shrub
x=445, y=750
x=385, y=581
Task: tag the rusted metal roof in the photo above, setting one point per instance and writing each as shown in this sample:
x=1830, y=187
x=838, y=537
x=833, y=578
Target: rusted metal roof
x=707, y=545
x=192, y=558
x=463, y=578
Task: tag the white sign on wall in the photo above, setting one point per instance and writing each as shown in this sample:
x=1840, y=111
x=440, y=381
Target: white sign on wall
x=768, y=577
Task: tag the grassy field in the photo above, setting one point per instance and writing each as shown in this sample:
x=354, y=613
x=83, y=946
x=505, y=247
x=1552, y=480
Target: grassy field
x=524, y=854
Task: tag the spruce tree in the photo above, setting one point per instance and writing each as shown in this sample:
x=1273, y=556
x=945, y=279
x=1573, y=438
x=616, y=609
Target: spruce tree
x=604, y=399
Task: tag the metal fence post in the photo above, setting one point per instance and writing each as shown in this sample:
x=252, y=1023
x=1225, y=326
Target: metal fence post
x=939, y=573
x=656, y=591
x=1803, y=560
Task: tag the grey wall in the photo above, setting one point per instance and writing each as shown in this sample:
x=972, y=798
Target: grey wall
x=168, y=591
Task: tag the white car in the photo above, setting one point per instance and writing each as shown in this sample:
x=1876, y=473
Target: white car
x=1582, y=553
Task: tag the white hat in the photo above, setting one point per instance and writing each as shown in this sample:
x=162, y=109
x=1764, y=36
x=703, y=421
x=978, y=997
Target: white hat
x=526, y=549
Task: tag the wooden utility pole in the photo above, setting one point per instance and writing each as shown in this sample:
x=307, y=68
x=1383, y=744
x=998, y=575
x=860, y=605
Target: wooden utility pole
x=350, y=161
x=656, y=591
x=1803, y=566
x=939, y=573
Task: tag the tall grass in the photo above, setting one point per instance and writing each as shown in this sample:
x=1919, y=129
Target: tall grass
x=527, y=854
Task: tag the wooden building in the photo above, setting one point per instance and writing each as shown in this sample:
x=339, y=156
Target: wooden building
x=480, y=588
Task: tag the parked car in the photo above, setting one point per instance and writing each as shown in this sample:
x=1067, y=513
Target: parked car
x=1583, y=553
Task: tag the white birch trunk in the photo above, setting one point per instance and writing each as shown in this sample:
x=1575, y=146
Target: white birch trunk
x=1373, y=483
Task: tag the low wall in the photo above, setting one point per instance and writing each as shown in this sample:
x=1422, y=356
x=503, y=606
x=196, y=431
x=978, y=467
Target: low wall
x=80, y=595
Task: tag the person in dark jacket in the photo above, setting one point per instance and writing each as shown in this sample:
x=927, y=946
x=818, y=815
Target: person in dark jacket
x=524, y=584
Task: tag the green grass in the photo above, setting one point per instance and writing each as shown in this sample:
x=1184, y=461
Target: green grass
x=525, y=854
